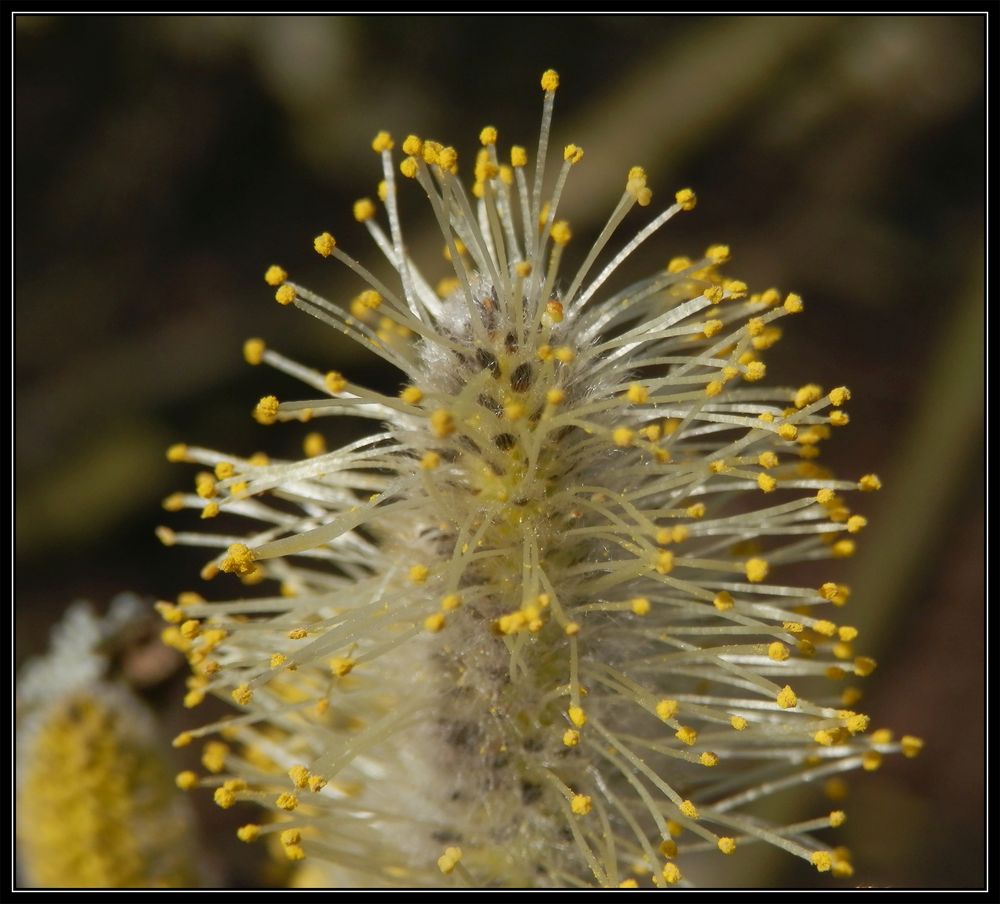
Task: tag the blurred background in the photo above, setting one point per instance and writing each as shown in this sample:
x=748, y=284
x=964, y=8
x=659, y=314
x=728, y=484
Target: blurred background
x=163, y=162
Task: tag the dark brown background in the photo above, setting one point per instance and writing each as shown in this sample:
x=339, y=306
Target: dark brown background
x=162, y=163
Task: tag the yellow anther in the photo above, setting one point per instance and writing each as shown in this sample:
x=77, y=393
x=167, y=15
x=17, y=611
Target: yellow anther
x=191, y=628
x=787, y=698
x=577, y=716
x=571, y=737
x=739, y=723
x=712, y=327
x=882, y=736
x=169, y=612
x=723, y=601
x=824, y=738
x=224, y=798
x=825, y=497
x=412, y=146
x=686, y=198
x=671, y=874
x=563, y=353
x=204, y=485
x=514, y=411
x=807, y=394
x=297, y=634
x=186, y=780
x=689, y=809
x=726, y=845
x=266, y=411
x=581, y=804
x=735, y=288
x=299, y=775
x=713, y=388
x=383, y=190
x=554, y=309
x=686, y=735
x=824, y=627
x=571, y=629
x=911, y=746
x=793, y=303
x=871, y=760
x=708, y=759
x=842, y=869
x=623, y=437
x=411, y=395
x=434, y=623
x=239, y=560
x=717, y=254
x=243, y=694
x=572, y=153
x=291, y=836
x=324, y=244
x=714, y=294
x=430, y=152
x=668, y=847
x=341, y=666
x=364, y=209
x=285, y=295
x=518, y=157
x=838, y=418
x=418, y=573
x=843, y=549
x=447, y=159
x=286, y=801
x=640, y=605
x=869, y=482
x=855, y=523
x=857, y=723
x=275, y=275
x=277, y=660
x=847, y=633
x=408, y=167
x=317, y=782
x=767, y=460
x=822, y=860
x=249, y=832
x=667, y=709
x=450, y=602
x=664, y=561
x=429, y=461
x=756, y=570
x=442, y=423
x=550, y=80
x=561, y=233
x=314, y=445
x=778, y=651
x=382, y=142
x=637, y=394
x=253, y=351
x=766, y=482
x=696, y=511
x=449, y=860
x=839, y=395
x=864, y=666
x=628, y=883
